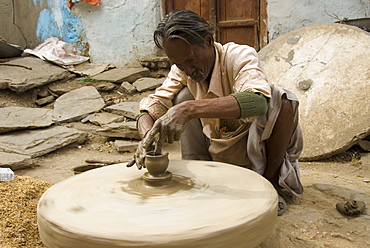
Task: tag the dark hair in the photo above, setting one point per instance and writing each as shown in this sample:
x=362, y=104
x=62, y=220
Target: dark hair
x=192, y=27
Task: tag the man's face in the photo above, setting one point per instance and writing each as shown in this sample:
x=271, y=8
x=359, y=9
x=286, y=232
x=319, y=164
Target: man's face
x=195, y=60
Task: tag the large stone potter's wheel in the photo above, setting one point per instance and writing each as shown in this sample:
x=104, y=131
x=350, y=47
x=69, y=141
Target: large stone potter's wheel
x=327, y=66
x=209, y=204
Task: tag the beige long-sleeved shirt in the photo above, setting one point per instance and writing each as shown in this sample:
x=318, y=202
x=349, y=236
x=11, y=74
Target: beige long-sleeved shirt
x=236, y=69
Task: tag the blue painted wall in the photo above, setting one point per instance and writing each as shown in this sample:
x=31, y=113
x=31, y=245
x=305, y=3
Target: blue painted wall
x=57, y=21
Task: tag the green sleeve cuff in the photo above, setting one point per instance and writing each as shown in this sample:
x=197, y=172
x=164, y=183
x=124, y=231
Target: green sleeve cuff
x=251, y=104
x=144, y=112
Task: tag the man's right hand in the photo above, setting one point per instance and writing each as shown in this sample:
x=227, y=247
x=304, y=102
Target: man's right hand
x=144, y=125
x=168, y=130
x=145, y=146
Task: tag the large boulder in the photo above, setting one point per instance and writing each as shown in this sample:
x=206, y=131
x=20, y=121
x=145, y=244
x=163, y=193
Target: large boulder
x=328, y=67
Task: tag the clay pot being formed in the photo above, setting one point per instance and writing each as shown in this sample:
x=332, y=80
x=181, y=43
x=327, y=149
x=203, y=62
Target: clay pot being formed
x=157, y=164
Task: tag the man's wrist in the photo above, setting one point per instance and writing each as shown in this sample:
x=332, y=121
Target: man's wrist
x=143, y=124
x=144, y=112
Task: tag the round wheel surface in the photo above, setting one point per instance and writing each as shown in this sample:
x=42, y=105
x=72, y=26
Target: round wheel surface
x=207, y=204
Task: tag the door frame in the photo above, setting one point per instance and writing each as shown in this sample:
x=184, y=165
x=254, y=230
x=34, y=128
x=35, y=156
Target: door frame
x=262, y=31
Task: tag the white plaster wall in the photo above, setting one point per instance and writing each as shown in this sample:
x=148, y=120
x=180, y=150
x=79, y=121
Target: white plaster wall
x=119, y=32
x=287, y=15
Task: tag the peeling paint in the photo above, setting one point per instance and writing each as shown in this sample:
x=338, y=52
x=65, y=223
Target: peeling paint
x=57, y=21
x=293, y=40
x=38, y=2
x=290, y=57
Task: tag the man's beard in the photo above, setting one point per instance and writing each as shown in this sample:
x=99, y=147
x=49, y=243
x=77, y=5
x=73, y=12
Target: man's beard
x=198, y=76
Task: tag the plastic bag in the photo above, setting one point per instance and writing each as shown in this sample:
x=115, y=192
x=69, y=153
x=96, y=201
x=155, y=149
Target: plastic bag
x=58, y=52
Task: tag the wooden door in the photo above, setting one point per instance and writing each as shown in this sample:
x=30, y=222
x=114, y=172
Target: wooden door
x=239, y=21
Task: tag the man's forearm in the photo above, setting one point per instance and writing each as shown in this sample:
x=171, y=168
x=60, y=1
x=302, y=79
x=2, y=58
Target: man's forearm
x=144, y=124
x=228, y=107
x=224, y=107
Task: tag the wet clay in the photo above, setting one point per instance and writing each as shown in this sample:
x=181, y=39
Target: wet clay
x=157, y=174
x=157, y=180
x=157, y=164
x=204, y=204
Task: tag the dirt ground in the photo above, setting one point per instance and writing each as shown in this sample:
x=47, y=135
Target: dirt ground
x=310, y=221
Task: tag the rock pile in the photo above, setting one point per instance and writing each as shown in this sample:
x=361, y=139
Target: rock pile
x=60, y=98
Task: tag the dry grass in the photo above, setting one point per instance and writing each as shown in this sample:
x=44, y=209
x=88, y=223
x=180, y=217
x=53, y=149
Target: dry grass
x=18, y=205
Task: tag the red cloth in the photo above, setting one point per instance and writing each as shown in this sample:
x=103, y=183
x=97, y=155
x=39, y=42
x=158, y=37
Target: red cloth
x=92, y=2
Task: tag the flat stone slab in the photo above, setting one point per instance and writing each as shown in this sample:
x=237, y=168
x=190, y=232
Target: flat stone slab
x=127, y=109
x=35, y=143
x=147, y=83
x=91, y=69
x=103, y=118
x=328, y=67
x=119, y=75
x=14, y=118
x=126, y=145
x=25, y=73
x=77, y=104
x=58, y=89
x=125, y=130
x=15, y=161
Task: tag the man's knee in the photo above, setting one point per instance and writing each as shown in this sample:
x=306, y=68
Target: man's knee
x=285, y=120
x=183, y=96
x=286, y=106
x=286, y=102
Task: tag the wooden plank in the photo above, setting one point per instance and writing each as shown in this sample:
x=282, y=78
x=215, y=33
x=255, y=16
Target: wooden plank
x=167, y=6
x=263, y=32
x=239, y=35
x=193, y=5
x=205, y=8
x=201, y=7
x=237, y=9
x=213, y=13
x=237, y=23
